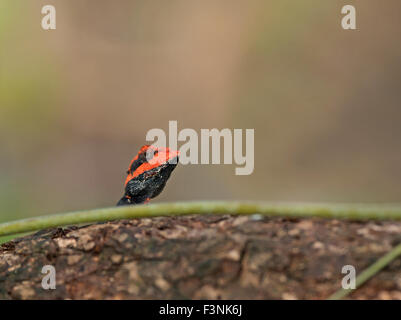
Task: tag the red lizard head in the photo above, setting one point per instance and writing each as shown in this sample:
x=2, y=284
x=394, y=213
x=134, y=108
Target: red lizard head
x=148, y=173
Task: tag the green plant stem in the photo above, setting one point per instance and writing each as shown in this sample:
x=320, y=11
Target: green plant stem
x=298, y=210
x=369, y=273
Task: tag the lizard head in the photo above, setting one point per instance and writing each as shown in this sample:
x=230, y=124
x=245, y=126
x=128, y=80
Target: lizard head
x=148, y=173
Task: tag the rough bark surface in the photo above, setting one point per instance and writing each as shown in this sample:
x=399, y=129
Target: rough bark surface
x=201, y=257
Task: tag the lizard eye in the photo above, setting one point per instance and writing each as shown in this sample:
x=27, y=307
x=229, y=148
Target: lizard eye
x=127, y=171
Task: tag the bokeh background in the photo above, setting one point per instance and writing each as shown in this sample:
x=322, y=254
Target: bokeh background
x=76, y=102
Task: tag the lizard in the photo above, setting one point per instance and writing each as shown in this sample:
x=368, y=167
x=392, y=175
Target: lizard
x=147, y=174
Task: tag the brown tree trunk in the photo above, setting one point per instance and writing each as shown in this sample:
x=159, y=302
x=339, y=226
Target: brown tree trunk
x=198, y=257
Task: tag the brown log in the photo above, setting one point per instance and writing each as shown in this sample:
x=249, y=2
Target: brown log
x=201, y=257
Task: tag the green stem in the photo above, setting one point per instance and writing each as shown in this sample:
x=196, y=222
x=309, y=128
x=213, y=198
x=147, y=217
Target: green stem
x=298, y=210
x=369, y=273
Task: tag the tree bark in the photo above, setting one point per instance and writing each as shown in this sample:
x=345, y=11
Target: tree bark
x=201, y=257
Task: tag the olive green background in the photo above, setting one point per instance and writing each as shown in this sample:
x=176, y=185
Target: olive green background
x=76, y=102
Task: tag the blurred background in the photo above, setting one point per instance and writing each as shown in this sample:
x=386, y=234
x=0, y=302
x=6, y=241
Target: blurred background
x=76, y=102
